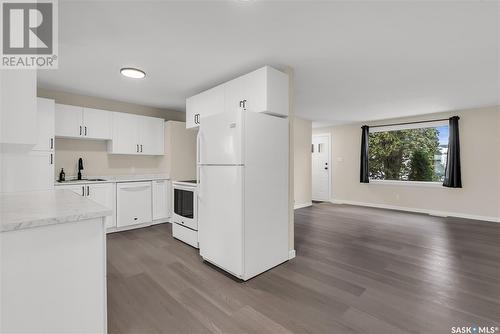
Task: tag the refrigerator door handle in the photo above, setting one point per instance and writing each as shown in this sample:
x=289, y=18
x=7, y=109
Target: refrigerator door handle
x=198, y=180
x=198, y=147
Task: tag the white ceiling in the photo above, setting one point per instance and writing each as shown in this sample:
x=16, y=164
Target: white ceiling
x=353, y=61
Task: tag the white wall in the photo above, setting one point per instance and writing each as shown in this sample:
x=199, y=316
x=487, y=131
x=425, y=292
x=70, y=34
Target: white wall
x=97, y=161
x=302, y=140
x=180, y=145
x=480, y=158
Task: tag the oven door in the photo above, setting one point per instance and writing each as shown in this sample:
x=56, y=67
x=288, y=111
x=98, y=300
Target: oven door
x=185, y=207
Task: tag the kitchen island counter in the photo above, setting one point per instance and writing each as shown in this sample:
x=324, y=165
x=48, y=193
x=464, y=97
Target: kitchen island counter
x=52, y=263
x=40, y=208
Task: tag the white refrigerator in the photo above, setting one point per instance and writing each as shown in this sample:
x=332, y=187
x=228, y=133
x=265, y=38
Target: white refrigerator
x=243, y=192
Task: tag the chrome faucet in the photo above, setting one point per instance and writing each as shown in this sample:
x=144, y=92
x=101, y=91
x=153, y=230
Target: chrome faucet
x=80, y=168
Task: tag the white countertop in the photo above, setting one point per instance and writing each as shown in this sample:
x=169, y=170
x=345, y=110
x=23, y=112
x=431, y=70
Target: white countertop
x=25, y=210
x=115, y=178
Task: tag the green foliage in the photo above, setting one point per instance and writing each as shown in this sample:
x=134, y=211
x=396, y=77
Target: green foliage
x=390, y=152
x=421, y=168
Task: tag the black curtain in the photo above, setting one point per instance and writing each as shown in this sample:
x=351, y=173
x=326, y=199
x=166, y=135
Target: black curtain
x=453, y=175
x=364, y=176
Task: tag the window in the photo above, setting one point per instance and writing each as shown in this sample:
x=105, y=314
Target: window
x=415, y=152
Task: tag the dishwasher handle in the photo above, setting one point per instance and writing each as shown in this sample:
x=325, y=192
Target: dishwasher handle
x=134, y=188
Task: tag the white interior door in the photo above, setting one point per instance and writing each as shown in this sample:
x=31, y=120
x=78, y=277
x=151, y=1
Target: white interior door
x=321, y=181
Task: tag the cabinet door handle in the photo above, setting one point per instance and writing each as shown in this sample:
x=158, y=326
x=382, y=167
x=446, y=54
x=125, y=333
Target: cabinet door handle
x=137, y=148
x=80, y=130
x=244, y=104
x=88, y=190
x=83, y=190
x=85, y=130
x=51, y=143
x=141, y=148
x=51, y=158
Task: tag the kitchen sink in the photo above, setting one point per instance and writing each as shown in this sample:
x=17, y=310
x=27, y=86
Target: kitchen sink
x=82, y=180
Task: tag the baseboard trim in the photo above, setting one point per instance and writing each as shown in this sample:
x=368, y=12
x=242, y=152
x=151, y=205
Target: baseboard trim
x=302, y=205
x=291, y=254
x=416, y=210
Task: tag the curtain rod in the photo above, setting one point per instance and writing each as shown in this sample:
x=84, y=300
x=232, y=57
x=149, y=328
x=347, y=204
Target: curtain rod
x=407, y=123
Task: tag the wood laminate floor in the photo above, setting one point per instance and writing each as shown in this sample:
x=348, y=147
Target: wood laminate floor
x=357, y=270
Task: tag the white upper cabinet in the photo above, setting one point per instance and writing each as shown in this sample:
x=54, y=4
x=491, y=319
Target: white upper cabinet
x=135, y=134
x=152, y=136
x=79, y=122
x=45, y=125
x=68, y=121
x=26, y=171
x=18, y=107
x=125, y=138
x=97, y=123
x=206, y=103
x=30, y=168
x=127, y=133
x=263, y=90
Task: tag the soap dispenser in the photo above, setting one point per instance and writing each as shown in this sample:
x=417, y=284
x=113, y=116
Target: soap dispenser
x=62, y=175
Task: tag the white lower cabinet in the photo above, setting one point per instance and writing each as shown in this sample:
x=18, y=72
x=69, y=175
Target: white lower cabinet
x=161, y=200
x=133, y=203
x=54, y=279
x=102, y=193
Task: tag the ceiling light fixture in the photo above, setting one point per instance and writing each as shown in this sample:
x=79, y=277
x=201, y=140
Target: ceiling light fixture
x=131, y=72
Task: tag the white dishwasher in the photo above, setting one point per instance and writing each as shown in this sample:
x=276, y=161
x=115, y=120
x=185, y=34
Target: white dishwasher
x=133, y=203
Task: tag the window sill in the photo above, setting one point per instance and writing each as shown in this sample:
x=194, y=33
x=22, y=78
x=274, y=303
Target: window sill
x=407, y=183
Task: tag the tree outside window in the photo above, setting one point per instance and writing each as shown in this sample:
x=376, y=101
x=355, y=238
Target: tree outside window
x=409, y=154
